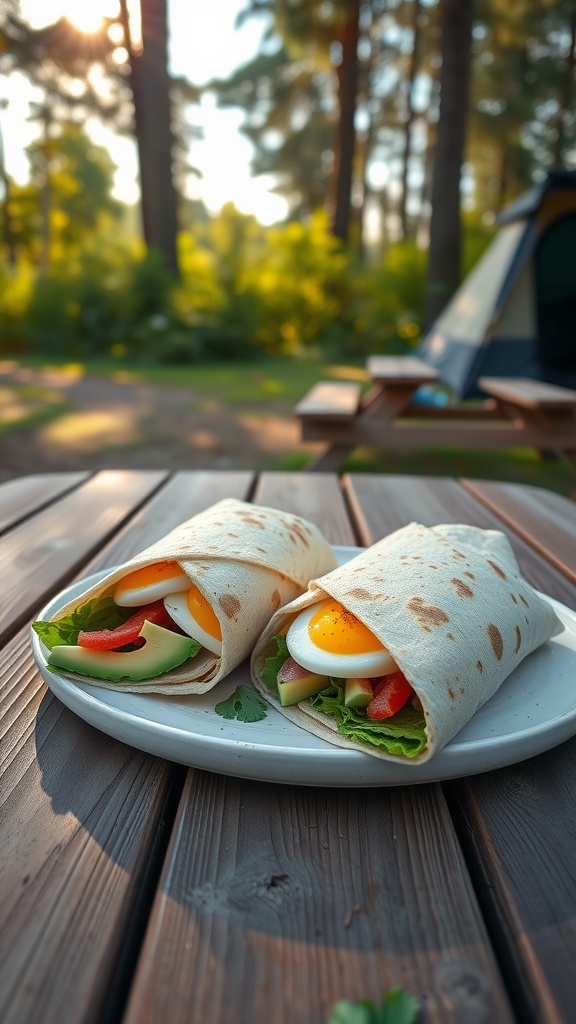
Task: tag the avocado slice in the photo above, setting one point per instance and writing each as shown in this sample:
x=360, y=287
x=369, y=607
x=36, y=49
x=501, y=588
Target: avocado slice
x=162, y=651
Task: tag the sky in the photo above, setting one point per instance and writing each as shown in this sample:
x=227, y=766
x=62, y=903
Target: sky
x=203, y=44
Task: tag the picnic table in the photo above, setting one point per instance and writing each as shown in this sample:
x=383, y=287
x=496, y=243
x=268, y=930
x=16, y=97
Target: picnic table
x=137, y=890
x=518, y=413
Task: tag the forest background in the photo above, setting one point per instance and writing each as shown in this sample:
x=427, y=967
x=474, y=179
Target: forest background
x=397, y=130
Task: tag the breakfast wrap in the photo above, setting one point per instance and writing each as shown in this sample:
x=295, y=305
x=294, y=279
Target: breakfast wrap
x=394, y=651
x=179, y=616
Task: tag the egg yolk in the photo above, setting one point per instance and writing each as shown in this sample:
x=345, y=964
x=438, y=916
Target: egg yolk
x=201, y=610
x=333, y=628
x=149, y=575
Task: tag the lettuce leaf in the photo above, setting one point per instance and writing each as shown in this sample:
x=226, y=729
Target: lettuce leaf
x=404, y=734
x=101, y=613
x=273, y=663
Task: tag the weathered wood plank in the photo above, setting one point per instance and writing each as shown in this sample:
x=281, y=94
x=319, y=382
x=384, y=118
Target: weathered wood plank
x=291, y=898
x=529, y=394
x=41, y=554
x=545, y=520
x=510, y=820
x=330, y=399
x=401, y=370
x=25, y=495
x=81, y=816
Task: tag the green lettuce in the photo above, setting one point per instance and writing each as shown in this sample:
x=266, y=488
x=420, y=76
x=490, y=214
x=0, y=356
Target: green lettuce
x=273, y=663
x=404, y=734
x=101, y=613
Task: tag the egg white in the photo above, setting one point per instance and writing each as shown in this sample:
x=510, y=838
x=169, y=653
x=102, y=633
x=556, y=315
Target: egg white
x=343, y=666
x=177, y=607
x=136, y=596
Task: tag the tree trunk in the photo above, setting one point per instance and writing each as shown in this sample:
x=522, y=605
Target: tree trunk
x=443, y=274
x=409, y=122
x=565, y=101
x=150, y=84
x=346, y=132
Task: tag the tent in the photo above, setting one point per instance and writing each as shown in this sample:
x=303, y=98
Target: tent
x=515, y=313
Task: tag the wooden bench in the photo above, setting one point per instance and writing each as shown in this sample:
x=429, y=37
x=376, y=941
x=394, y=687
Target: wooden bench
x=519, y=413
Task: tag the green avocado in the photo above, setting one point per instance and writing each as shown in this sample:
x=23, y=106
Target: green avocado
x=162, y=651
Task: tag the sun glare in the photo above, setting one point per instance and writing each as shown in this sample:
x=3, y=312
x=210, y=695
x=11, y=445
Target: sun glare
x=87, y=15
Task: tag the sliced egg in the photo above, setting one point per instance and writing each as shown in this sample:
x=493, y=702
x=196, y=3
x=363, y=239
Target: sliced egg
x=329, y=639
x=195, y=615
x=150, y=584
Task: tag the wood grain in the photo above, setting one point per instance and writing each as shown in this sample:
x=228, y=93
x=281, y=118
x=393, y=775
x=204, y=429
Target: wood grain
x=292, y=898
x=544, y=520
x=517, y=824
x=39, y=556
x=20, y=497
x=277, y=901
x=80, y=814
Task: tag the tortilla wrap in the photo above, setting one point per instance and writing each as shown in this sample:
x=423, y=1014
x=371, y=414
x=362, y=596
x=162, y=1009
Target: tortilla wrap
x=451, y=607
x=247, y=561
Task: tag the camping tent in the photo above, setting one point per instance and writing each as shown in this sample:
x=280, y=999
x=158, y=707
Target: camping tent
x=515, y=314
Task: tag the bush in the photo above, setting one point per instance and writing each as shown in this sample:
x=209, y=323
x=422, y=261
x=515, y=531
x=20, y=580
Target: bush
x=244, y=289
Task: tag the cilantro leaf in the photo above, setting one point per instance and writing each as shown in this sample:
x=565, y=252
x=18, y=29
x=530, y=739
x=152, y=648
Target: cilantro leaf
x=245, y=704
x=398, y=1007
x=101, y=613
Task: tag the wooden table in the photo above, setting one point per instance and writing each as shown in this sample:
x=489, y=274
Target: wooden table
x=519, y=413
x=134, y=890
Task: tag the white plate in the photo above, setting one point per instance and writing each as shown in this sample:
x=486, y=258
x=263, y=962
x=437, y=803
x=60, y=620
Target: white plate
x=534, y=710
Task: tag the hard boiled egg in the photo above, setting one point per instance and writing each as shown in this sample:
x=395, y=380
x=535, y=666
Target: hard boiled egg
x=150, y=584
x=194, y=614
x=330, y=640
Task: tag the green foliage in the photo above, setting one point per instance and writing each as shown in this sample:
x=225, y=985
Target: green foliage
x=244, y=291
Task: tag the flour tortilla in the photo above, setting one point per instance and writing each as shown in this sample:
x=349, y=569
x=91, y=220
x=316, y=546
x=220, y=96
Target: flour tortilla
x=451, y=607
x=247, y=560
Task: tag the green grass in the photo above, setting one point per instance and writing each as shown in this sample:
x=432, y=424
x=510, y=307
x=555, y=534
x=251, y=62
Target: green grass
x=280, y=380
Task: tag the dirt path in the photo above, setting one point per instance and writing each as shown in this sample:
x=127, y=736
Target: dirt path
x=54, y=420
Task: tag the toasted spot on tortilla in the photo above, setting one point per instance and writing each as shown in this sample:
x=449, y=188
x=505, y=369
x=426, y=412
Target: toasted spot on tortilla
x=518, y=639
x=360, y=593
x=470, y=575
x=461, y=689
x=295, y=529
x=458, y=554
x=461, y=588
x=235, y=535
x=450, y=692
x=426, y=614
x=432, y=566
x=513, y=598
x=500, y=572
x=524, y=601
x=449, y=636
x=479, y=667
x=495, y=638
x=230, y=605
x=275, y=600
x=249, y=517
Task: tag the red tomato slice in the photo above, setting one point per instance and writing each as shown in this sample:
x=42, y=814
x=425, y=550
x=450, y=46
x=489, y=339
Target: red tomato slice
x=127, y=633
x=390, y=694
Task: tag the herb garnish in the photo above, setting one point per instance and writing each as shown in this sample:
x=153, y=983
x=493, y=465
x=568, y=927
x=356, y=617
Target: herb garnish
x=397, y=1007
x=245, y=704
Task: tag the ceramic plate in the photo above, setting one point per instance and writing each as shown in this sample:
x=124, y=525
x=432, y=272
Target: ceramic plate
x=534, y=710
